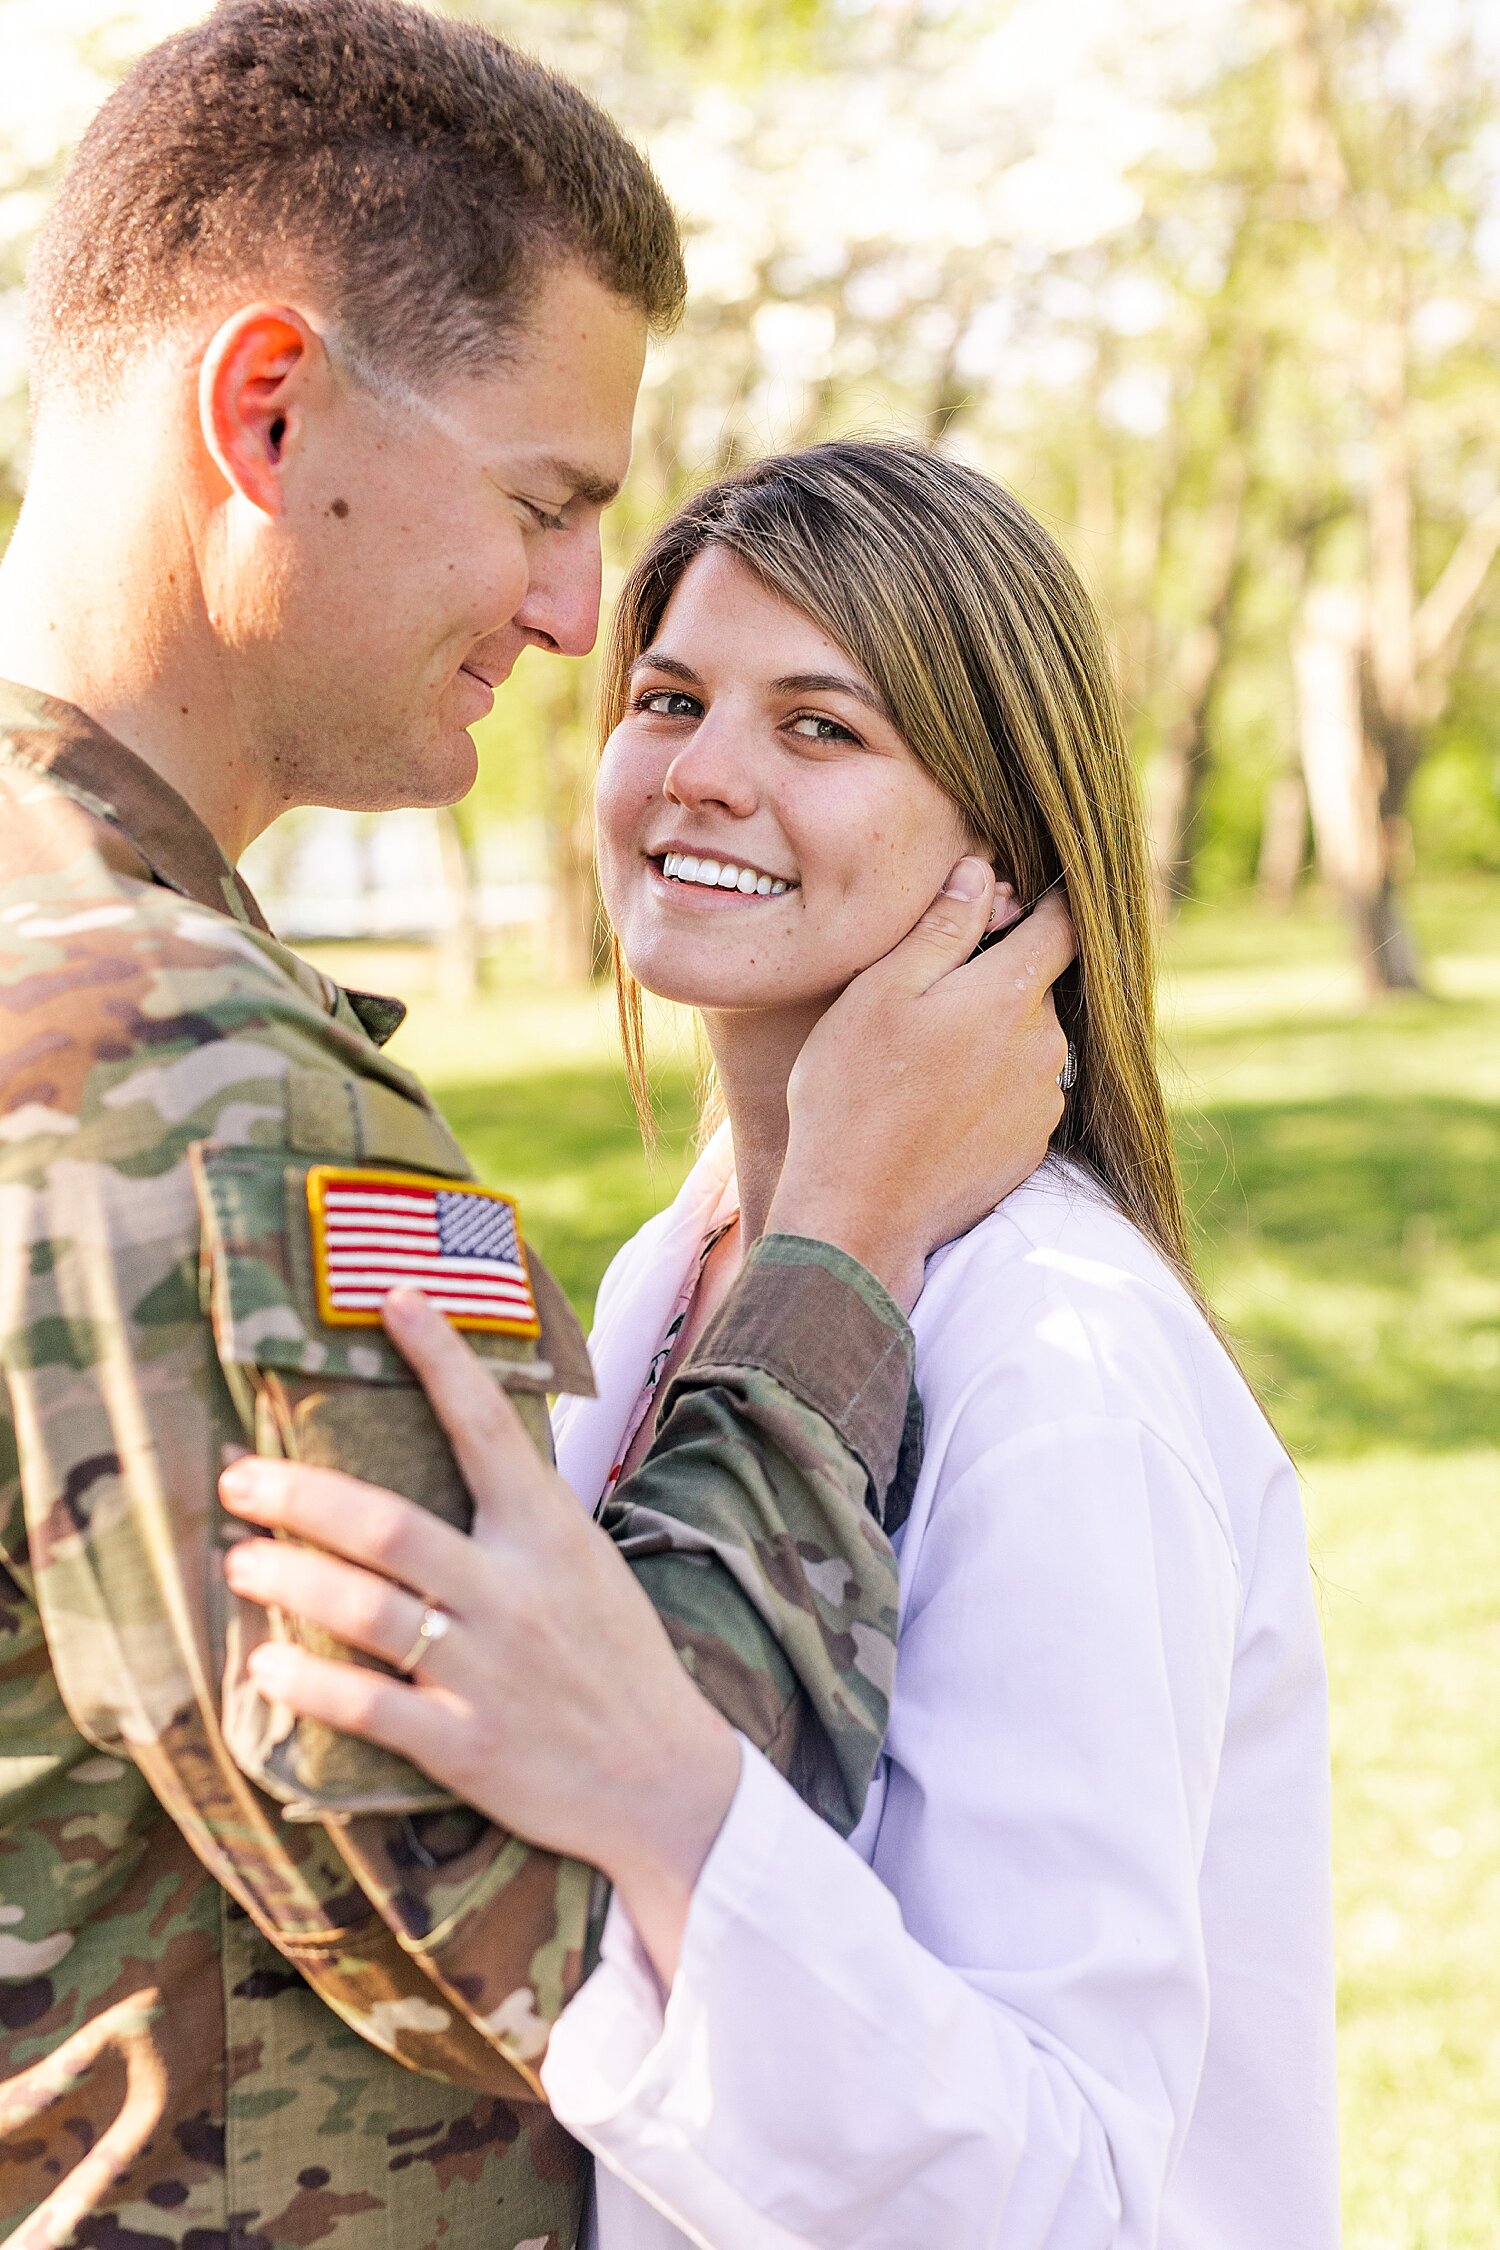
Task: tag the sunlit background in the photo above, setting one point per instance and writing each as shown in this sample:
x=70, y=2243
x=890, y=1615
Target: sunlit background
x=1215, y=286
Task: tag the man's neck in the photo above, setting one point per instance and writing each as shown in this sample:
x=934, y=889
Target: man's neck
x=117, y=627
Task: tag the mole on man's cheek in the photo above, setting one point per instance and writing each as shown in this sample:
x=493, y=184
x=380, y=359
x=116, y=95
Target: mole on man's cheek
x=341, y=508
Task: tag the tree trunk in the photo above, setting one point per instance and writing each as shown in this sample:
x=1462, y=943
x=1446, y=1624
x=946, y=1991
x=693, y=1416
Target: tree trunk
x=1283, y=841
x=458, y=946
x=1386, y=943
x=1359, y=846
x=580, y=947
x=1357, y=661
x=1182, y=765
x=580, y=936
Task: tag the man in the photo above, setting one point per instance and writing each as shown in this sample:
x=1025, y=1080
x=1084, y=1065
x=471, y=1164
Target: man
x=336, y=328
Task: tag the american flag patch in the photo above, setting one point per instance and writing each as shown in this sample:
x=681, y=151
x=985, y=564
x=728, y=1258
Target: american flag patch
x=461, y=1246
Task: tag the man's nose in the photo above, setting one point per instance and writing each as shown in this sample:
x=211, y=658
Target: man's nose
x=561, y=608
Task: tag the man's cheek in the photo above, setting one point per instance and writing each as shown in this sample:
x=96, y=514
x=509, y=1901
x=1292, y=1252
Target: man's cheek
x=496, y=581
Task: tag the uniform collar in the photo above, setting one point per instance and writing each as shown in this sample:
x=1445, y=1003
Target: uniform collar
x=85, y=763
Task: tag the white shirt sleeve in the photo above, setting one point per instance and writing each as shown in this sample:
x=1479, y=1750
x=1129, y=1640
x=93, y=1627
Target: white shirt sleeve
x=995, y=2037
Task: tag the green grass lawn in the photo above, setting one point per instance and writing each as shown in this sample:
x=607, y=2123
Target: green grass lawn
x=1344, y=1167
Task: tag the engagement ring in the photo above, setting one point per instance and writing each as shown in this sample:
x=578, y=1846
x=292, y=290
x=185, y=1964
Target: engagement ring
x=434, y=1625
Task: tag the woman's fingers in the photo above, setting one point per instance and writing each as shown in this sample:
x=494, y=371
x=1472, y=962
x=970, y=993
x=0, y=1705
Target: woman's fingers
x=369, y=1613
x=362, y=1522
x=500, y=1465
x=1031, y=959
x=1005, y=908
x=946, y=934
x=345, y=1696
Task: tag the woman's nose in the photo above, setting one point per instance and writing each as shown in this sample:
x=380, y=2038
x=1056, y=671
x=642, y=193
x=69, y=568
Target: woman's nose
x=714, y=768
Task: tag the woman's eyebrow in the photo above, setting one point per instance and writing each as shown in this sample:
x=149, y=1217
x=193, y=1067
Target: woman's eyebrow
x=829, y=683
x=790, y=683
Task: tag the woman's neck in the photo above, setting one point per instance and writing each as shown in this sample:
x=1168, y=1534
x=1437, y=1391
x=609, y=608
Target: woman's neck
x=753, y=1057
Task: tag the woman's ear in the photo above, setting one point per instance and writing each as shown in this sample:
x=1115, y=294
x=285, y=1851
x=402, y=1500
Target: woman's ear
x=1005, y=908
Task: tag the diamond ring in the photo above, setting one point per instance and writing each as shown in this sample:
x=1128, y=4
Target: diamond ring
x=434, y=1625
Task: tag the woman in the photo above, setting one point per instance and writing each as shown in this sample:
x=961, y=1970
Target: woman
x=1085, y=1996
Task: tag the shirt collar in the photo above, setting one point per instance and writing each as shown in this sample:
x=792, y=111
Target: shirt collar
x=81, y=759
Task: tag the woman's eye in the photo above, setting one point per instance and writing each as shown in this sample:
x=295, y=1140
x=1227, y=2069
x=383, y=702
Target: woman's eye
x=668, y=703
x=811, y=726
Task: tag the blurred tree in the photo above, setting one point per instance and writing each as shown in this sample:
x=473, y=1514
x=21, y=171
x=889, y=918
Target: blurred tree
x=1373, y=161
x=458, y=942
x=1210, y=288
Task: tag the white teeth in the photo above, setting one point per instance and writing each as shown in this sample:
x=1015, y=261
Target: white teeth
x=722, y=875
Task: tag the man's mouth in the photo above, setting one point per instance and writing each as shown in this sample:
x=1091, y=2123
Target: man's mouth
x=721, y=875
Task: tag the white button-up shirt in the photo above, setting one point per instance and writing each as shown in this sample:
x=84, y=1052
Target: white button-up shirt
x=1069, y=1985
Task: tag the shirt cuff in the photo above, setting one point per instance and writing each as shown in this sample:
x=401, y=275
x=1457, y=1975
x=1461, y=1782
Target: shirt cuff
x=629, y=2072
x=621, y=2054
x=821, y=1325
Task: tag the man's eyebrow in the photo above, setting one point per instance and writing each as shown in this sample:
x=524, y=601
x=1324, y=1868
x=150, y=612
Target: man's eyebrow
x=582, y=484
x=830, y=683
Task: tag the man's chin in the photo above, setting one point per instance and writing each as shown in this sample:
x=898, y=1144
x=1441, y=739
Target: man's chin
x=450, y=767
x=440, y=771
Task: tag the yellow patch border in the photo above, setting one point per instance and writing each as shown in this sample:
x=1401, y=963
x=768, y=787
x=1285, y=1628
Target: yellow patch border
x=319, y=1179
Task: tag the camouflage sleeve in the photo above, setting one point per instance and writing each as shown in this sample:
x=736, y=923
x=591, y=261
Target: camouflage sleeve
x=144, y=1033
x=783, y=1461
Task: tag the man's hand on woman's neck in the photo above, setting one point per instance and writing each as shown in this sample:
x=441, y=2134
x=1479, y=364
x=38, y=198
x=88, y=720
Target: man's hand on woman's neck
x=897, y=1117
x=929, y=1089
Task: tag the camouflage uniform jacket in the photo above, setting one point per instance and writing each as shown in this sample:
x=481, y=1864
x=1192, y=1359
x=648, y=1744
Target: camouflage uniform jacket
x=260, y=1986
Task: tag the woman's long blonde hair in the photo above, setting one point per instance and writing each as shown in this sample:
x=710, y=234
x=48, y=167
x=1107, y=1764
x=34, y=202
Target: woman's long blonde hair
x=991, y=662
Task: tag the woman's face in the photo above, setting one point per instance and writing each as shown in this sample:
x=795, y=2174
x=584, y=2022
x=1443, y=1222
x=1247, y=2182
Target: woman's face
x=764, y=831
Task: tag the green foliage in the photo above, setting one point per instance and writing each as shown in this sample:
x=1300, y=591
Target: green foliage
x=1407, y=1547
x=1456, y=806
x=513, y=749
x=727, y=41
x=736, y=41
x=1342, y=1166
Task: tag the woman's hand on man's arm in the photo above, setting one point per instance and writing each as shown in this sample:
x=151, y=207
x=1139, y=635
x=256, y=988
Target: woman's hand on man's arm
x=554, y=1703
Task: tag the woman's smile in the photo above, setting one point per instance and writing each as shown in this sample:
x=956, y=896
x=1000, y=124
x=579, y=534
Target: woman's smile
x=727, y=880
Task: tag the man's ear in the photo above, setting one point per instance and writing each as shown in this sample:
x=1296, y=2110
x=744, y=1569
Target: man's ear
x=254, y=384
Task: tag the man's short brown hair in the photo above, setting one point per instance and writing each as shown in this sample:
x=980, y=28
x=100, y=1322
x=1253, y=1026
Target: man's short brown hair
x=414, y=172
